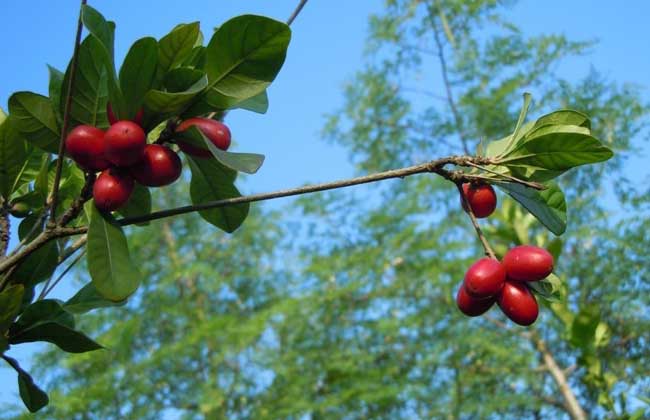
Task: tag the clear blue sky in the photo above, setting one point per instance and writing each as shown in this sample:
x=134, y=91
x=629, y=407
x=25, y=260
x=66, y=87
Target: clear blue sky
x=325, y=51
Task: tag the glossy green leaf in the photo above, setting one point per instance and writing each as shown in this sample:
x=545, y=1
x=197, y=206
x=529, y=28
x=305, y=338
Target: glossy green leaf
x=27, y=225
x=548, y=206
x=196, y=58
x=87, y=299
x=550, y=289
x=55, y=87
x=211, y=181
x=258, y=103
x=241, y=162
x=35, y=119
x=182, y=78
x=176, y=46
x=66, y=338
x=47, y=310
x=512, y=142
x=564, y=117
x=90, y=89
x=137, y=74
x=112, y=272
x=10, y=301
x=557, y=148
x=139, y=203
x=102, y=29
x=29, y=170
x=38, y=266
x=245, y=54
x=33, y=397
x=173, y=103
x=14, y=154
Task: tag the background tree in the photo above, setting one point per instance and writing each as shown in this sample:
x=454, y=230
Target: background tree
x=362, y=323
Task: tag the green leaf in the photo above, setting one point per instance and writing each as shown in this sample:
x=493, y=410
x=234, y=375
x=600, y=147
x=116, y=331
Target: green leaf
x=137, y=74
x=548, y=206
x=557, y=148
x=551, y=288
x=109, y=263
x=14, y=154
x=35, y=119
x=10, y=301
x=182, y=79
x=196, y=58
x=520, y=121
x=87, y=299
x=102, y=29
x=38, y=266
x=47, y=310
x=66, y=338
x=258, y=103
x=564, y=117
x=583, y=328
x=139, y=203
x=172, y=103
x=245, y=54
x=27, y=225
x=55, y=88
x=241, y=162
x=176, y=46
x=33, y=397
x=211, y=181
x=90, y=89
x=29, y=170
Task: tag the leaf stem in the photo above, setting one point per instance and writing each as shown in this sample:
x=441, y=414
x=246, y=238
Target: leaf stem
x=486, y=246
x=66, y=120
x=296, y=12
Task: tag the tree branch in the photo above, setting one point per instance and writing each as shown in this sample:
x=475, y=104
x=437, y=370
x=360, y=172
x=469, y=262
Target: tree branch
x=296, y=12
x=66, y=121
x=445, y=78
x=4, y=230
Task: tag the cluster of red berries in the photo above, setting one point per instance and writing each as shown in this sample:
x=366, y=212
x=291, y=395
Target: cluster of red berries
x=488, y=281
x=123, y=156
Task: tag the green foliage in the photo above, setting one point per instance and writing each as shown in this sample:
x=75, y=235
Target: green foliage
x=35, y=119
x=110, y=266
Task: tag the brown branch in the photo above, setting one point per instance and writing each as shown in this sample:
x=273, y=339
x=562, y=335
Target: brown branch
x=77, y=205
x=486, y=246
x=571, y=404
x=66, y=120
x=445, y=78
x=4, y=230
x=296, y=12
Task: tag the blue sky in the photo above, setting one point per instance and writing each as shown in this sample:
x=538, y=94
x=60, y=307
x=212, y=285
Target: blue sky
x=325, y=51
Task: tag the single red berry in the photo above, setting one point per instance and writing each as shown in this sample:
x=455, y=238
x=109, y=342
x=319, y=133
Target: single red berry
x=112, y=189
x=518, y=303
x=481, y=197
x=485, y=278
x=471, y=306
x=159, y=166
x=125, y=141
x=112, y=119
x=86, y=145
x=528, y=263
x=217, y=132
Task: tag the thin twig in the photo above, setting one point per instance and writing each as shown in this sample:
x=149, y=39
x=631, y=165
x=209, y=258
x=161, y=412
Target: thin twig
x=534, y=185
x=488, y=250
x=38, y=225
x=47, y=291
x=77, y=205
x=445, y=78
x=4, y=229
x=296, y=12
x=66, y=120
x=67, y=254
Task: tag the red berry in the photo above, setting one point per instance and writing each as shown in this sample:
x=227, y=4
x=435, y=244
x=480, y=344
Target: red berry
x=485, y=278
x=159, y=166
x=216, y=131
x=86, y=145
x=471, y=306
x=481, y=197
x=112, y=189
x=125, y=141
x=528, y=263
x=112, y=119
x=518, y=303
